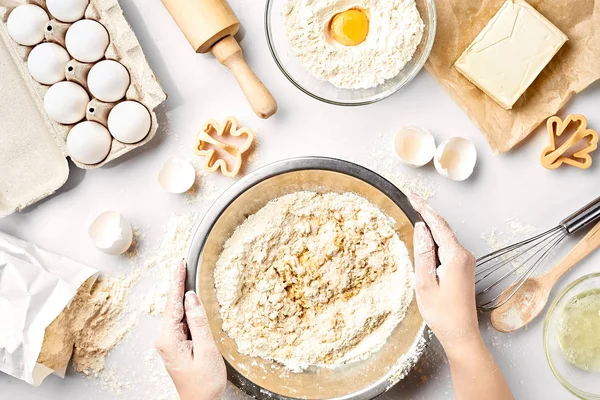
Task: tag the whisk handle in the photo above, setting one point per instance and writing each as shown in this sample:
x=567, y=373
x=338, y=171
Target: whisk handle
x=582, y=218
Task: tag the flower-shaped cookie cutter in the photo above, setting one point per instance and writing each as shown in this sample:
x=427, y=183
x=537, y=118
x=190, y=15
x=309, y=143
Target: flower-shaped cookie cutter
x=553, y=156
x=223, y=145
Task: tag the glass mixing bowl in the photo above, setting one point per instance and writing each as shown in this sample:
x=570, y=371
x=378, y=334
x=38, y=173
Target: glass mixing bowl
x=583, y=384
x=301, y=78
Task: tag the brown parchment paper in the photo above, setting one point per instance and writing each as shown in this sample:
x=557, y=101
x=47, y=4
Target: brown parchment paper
x=575, y=67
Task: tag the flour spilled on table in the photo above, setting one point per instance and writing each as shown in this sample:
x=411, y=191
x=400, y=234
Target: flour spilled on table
x=204, y=189
x=104, y=314
x=510, y=232
x=386, y=163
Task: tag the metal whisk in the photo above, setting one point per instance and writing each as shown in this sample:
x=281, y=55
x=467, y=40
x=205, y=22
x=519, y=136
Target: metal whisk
x=500, y=275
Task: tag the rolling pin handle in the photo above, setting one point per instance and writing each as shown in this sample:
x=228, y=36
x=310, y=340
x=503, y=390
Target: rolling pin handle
x=229, y=53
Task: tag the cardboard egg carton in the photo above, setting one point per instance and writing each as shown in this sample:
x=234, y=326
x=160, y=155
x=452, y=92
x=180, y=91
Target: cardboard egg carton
x=32, y=147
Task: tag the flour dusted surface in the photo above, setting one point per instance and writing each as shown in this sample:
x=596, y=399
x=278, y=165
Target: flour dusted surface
x=314, y=280
x=396, y=29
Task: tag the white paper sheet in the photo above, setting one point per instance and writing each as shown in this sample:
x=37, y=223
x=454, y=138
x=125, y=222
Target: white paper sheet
x=35, y=287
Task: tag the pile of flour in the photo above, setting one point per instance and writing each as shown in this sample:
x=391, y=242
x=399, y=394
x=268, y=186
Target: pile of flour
x=395, y=31
x=313, y=280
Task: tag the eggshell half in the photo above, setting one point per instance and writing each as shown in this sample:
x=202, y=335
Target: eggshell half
x=67, y=10
x=108, y=81
x=26, y=24
x=87, y=40
x=129, y=122
x=414, y=146
x=89, y=142
x=456, y=158
x=66, y=102
x=177, y=176
x=47, y=63
x=111, y=233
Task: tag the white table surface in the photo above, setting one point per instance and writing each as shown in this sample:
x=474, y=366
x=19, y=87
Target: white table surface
x=502, y=188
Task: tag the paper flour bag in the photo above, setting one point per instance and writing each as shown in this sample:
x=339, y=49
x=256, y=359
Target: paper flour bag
x=35, y=287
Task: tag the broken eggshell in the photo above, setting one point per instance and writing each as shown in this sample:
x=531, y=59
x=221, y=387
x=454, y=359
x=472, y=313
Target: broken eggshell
x=415, y=146
x=455, y=159
x=111, y=233
x=177, y=176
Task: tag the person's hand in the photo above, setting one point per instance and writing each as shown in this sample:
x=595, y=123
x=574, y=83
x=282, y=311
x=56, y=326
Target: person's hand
x=195, y=365
x=446, y=295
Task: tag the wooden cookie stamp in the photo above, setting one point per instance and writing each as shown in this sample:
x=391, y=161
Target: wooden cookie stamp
x=223, y=146
x=553, y=156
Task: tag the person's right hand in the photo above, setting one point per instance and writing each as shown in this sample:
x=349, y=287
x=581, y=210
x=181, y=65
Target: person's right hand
x=446, y=295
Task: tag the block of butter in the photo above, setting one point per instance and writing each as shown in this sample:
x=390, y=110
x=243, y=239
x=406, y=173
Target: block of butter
x=510, y=52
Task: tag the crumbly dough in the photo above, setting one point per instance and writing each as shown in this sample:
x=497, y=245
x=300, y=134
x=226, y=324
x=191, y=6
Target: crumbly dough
x=314, y=280
x=395, y=31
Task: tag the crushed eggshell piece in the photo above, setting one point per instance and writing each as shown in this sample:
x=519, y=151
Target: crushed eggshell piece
x=580, y=144
x=455, y=159
x=177, y=176
x=111, y=233
x=414, y=146
x=223, y=146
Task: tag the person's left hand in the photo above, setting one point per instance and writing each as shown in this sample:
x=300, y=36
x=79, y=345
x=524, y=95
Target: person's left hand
x=195, y=365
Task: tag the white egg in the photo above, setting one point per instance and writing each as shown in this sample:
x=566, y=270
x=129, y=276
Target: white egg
x=415, y=146
x=66, y=102
x=108, y=81
x=89, y=142
x=87, y=40
x=456, y=158
x=67, y=10
x=129, y=122
x=47, y=63
x=111, y=233
x=177, y=176
x=26, y=24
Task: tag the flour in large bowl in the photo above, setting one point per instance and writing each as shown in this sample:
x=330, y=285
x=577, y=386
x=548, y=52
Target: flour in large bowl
x=313, y=280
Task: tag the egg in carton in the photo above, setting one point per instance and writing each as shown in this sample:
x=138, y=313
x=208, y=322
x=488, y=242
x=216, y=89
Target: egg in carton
x=78, y=35
x=34, y=146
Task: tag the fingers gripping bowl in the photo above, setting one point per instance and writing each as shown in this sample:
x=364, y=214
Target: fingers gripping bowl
x=265, y=379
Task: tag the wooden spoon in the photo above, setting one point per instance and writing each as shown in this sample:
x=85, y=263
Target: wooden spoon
x=532, y=297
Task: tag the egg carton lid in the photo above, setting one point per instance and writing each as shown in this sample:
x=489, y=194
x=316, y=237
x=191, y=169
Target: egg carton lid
x=32, y=165
x=33, y=155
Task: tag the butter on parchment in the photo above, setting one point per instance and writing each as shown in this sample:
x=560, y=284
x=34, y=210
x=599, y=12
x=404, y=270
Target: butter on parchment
x=510, y=52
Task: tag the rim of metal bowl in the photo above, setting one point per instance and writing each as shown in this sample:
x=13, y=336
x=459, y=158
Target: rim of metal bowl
x=563, y=381
x=374, y=99
x=282, y=167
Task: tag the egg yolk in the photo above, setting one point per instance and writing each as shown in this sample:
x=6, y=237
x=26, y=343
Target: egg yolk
x=350, y=27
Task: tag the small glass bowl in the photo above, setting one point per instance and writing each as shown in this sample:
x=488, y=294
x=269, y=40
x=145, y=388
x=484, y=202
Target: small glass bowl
x=585, y=385
x=291, y=67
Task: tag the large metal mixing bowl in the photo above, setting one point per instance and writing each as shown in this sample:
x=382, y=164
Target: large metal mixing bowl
x=266, y=379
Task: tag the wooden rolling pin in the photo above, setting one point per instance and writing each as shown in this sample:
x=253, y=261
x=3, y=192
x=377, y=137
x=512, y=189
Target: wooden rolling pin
x=209, y=25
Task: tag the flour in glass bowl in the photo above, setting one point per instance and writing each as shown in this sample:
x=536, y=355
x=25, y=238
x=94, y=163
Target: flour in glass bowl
x=395, y=31
x=314, y=280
